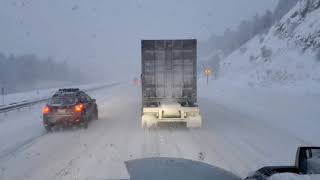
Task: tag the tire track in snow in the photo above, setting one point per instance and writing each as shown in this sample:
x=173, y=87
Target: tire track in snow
x=150, y=146
x=8, y=153
x=173, y=136
x=209, y=145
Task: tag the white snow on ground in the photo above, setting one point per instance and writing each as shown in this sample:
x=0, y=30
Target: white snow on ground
x=39, y=94
x=27, y=96
x=21, y=127
x=18, y=128
x=288, y=176
x=296, y=112
x=288, y=55
x=231, y=138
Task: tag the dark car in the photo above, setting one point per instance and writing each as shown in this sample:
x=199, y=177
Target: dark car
x=69, y=107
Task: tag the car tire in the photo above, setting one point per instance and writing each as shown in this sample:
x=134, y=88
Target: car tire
x=84, y=123
x=96, y=116
x=48, y=128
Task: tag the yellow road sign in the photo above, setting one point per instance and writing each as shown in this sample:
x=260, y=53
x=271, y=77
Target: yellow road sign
x=207, y=71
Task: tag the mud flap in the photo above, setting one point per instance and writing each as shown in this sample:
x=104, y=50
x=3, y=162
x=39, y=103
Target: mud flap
x=194, y=122
x=148, y=121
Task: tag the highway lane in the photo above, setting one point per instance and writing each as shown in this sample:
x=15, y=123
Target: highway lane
x=21, y=127
x=228, y=139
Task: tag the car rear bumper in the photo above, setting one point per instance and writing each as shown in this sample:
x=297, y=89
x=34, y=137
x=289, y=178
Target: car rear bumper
x=61, y=120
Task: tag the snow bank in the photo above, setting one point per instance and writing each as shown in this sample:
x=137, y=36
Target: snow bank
x=294, y=112
x=35, y=95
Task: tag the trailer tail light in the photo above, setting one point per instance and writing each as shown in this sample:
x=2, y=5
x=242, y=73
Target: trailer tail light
x=78, y=107
x=45, y=110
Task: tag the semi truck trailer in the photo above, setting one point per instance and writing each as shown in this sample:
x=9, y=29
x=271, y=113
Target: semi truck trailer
x=169, y=83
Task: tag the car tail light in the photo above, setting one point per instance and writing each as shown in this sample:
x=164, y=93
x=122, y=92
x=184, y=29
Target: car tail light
x=78, y=107
x=46, y=110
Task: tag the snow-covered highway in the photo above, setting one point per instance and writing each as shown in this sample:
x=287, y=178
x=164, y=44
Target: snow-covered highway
x=229, y=139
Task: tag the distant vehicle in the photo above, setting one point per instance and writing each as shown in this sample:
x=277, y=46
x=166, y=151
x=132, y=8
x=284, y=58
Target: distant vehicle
x=169, y=83
x=69, y=107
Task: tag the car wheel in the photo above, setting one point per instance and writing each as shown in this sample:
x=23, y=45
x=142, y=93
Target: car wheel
x=84, y=123
x=95, y=113
x=48, y=128
x=96, y=116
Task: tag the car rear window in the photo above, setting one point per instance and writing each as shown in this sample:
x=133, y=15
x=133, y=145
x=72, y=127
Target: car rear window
x=62, y=100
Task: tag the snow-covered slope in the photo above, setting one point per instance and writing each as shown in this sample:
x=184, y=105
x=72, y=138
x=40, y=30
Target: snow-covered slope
x=288, y=55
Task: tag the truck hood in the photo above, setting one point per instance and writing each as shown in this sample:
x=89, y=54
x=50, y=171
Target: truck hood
x=160, y=168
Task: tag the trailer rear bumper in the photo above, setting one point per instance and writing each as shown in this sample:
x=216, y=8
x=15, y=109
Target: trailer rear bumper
x=152, y=121
x=174, y=113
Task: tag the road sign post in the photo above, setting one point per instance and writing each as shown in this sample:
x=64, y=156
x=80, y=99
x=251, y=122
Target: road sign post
x=207, y=72
x=2, y=93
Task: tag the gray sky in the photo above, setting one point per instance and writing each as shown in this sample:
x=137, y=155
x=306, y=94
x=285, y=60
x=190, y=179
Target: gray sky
x=103, y=36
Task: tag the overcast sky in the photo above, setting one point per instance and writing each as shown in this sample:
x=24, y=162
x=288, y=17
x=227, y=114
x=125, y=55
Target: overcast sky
x=102, y=36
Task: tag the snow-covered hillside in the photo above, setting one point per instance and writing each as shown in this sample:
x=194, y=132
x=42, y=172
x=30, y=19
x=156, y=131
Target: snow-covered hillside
x=288, y=55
